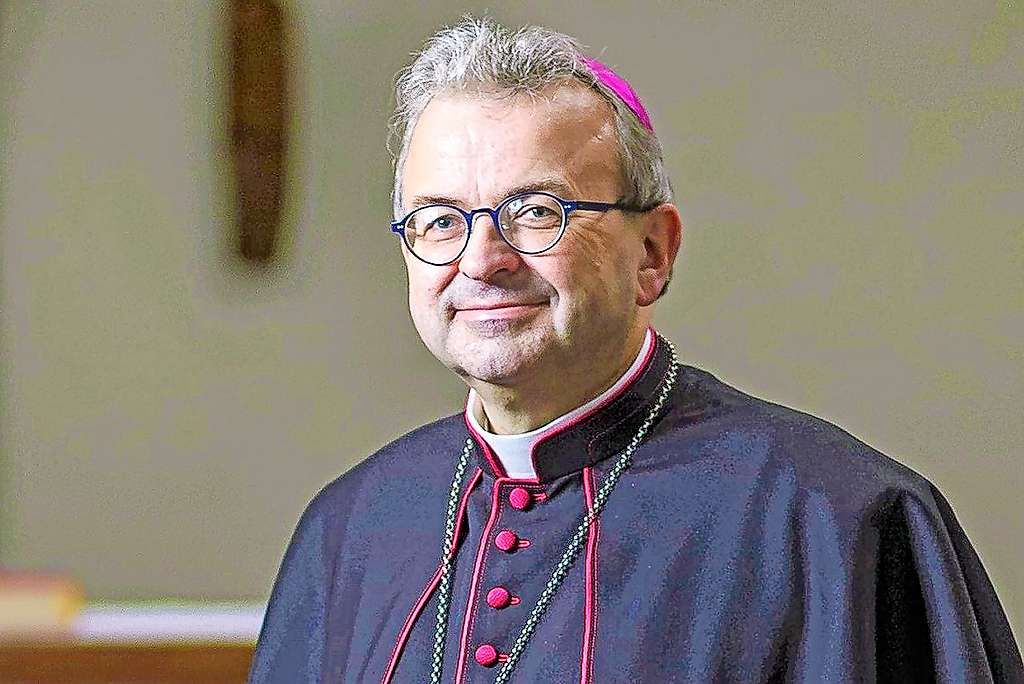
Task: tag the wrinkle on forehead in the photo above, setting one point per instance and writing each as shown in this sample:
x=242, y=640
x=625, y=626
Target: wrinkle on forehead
x=460, y=146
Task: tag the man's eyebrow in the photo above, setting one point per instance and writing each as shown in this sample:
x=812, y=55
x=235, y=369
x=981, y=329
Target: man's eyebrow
x=553, y=185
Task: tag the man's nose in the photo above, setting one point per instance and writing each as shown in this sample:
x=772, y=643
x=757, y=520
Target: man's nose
x=487, y=252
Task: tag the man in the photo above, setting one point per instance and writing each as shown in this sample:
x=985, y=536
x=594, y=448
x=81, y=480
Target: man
x=599, y=512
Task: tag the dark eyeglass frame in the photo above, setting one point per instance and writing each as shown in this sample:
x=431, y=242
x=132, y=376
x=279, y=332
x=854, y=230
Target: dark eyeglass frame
x=568, y=206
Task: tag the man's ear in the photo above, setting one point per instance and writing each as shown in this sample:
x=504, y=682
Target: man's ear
x=662, y=231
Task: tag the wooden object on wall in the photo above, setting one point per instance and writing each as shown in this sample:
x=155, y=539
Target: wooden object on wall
x=259, y=107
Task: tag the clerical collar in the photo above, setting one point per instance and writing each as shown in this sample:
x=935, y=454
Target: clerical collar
x=515, y=455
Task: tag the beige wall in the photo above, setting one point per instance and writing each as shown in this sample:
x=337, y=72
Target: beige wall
x=850, y=180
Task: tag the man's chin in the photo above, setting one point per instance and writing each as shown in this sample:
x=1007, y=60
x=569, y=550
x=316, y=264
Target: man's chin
x=506, y=365
x=498, y=351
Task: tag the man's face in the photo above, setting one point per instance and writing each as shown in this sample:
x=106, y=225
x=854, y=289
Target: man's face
x=573, y=305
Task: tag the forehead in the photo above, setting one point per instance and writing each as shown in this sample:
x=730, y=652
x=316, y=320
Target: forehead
x=476, y=148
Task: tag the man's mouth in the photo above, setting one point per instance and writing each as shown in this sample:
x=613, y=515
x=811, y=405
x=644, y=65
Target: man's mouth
x=490, y=310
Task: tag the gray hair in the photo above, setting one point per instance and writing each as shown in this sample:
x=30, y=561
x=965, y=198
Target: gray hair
x=481, y=55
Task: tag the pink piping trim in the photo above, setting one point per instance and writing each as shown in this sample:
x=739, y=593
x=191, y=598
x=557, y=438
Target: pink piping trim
x=470, y=612
x=488, y=454
x=607, y=400
x=499, y=471
x=589, y=608
x=414, y=614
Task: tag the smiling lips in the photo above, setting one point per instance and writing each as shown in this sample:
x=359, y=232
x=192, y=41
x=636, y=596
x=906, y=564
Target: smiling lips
x=483, y=311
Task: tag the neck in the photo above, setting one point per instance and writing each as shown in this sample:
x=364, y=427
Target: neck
x=513, y=410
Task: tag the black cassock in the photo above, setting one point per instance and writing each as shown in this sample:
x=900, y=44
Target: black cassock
x=747, y=542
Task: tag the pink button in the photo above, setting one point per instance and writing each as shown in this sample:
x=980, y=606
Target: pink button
x=486, y=655
x=520, y=498
x=498, y=598
x=506, y=540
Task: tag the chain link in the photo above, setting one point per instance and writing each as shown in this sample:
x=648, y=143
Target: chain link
x=569, y=556
x=444, y=587
x=576, y=543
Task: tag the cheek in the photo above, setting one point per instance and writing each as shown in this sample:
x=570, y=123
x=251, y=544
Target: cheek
x=421, y=298
x=594, y=268
x=425, y=288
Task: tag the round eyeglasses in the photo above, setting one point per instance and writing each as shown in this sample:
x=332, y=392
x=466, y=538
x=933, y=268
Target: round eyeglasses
x=530, y=223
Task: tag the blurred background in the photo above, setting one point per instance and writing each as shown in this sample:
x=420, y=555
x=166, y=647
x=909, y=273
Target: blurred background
x=850, y=178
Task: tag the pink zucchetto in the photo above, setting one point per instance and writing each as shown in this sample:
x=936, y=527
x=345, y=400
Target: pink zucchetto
x=621, y=88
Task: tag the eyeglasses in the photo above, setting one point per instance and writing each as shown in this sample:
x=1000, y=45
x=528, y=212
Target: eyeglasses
x=531, y=223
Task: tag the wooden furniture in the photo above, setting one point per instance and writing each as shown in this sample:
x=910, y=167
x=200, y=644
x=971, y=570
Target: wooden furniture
x=139, y=643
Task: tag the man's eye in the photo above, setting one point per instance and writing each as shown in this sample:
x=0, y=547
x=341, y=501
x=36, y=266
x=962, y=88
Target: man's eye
x=537, y=217
x=443, y=223
x=533, y=211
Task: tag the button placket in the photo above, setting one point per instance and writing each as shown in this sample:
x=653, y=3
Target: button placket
x=498, y=597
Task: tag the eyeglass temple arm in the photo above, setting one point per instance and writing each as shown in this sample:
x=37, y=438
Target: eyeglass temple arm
x=600, y=206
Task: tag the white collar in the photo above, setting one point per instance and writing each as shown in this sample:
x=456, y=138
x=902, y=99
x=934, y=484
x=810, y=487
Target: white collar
x=515, y=451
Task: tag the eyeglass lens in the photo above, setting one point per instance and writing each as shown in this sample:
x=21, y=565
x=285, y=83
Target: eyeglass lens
x=530, y=223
